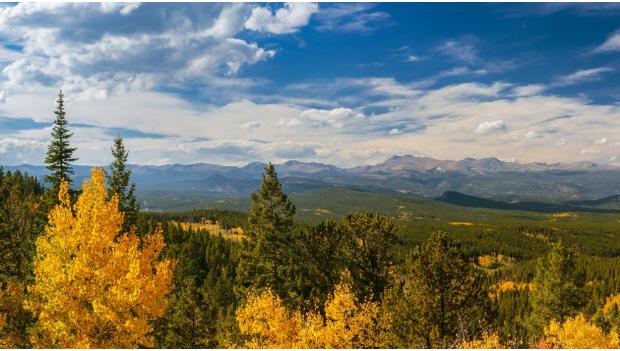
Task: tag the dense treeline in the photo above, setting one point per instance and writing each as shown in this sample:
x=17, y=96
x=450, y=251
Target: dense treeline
x=87, y=269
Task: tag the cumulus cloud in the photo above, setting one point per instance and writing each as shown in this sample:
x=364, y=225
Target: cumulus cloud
x=611, y=44
x=491, y=127
x=394, y=131
x=287, y=19
x=66, y=45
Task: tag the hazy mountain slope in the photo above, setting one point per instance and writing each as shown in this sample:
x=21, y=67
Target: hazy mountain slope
x=489, y=178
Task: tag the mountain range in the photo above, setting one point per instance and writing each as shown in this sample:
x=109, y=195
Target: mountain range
x=423, y=176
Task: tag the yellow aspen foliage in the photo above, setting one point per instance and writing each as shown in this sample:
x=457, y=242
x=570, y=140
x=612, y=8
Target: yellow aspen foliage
x=610, y=302
x=96, y=287
x=347, y=323
x=487, y=341
x=577, y=333
x=266, y=323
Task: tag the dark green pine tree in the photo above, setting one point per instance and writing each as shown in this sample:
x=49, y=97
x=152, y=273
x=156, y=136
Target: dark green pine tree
x=268, y=252
x=558, y=293
x=441, y=300
x=118, y=182
x=59, y=152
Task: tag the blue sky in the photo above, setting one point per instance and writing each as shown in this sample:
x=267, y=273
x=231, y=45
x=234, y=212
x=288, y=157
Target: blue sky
x=346, y=83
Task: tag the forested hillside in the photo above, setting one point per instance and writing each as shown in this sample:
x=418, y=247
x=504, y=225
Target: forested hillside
x=87, y=269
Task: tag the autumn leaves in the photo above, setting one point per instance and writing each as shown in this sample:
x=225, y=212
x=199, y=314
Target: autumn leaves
x=96, y=287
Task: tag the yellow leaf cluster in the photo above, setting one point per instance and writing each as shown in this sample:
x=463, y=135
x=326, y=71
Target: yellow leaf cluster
x=487, y=341
x=347, y=323
x=610, y=302
x=266, y=323
x=507, y=286
x=96, y=287
x=213, y=228
x=577, y=333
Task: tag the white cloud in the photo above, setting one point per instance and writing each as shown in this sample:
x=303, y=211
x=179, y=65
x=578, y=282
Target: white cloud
x=528, y=90
x=589, y=151
x=394, y=131
x=462, y=49
x=611, y=44
x=351, y=17
x=287, y=19
x=337, y=118
x=601, y=141
x=413, y=58
x=251, y=125
x=583, y=75
x=491, y=127
x=65, y=46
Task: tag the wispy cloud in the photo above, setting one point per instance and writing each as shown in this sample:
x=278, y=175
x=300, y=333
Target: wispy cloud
x=462, y=49
x=581, y=76
x=351, y=18
x=611, y=44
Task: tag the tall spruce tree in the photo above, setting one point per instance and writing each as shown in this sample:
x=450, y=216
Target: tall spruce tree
x=267, y=257
x=441, y=300
x=118, y=183
x=59, y=152
x=558, y=293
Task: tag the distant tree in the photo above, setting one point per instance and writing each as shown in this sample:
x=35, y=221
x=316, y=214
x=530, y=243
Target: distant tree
x=59, y=152
x=368, y=243
x=558, y=290
x=267, y=256
x=118, y=182
x=441, y=302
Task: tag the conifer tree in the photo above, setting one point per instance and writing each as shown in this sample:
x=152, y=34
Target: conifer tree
x=558, y=292
x=268, y=250
x=441, y=302
x=118, y=182
x=59, y=152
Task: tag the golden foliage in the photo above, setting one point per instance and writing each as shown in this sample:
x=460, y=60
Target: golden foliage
x=213, y=228
x=266, y=323
x=96, y=287
x=467, y=224
x=577, y=333
x=347, y=323
x=487, y=341
x=507, y=286
x=610, y=302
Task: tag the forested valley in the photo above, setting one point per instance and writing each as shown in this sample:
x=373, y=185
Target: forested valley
x=87, y=269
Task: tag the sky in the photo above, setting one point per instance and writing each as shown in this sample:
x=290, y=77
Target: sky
x=340, y=83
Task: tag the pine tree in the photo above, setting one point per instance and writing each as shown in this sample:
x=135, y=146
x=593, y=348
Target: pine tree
x=268, y=250
x=59, y=152
x=368, y=242
x=441, y=301
x=118, y=182
x=558, y=290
